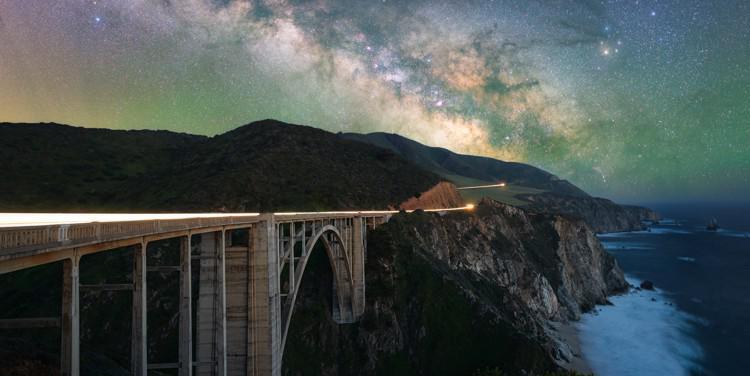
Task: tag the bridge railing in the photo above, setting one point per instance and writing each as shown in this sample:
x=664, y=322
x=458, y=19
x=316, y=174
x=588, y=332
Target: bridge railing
x=32, y=239
x=21, y=240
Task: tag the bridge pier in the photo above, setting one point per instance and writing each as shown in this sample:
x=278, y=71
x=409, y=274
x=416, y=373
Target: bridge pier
x=70, y=322
x=358, y=253
x=264, y=303
x=211, y=314
x=185, y=326
x=139, y=343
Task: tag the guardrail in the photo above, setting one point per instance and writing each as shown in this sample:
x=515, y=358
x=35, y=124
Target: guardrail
x=19, y=240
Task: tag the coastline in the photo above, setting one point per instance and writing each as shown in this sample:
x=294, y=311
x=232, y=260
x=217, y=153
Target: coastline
x=569, y=338
x=647, y=327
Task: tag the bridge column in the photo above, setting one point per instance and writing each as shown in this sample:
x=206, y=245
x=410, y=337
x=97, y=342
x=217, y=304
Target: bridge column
x=185, y=349
x=138, y=349
x=221, y=311
x=359, y=244
x=210, y=315
x=70, y=347
x=264, y=327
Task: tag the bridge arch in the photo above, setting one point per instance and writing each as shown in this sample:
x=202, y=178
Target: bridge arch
x=339, y=254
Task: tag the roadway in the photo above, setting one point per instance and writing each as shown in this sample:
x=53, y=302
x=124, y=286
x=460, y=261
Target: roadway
x=45, y=219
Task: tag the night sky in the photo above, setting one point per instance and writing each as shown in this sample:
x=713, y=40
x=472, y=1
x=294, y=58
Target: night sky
x=634, y=100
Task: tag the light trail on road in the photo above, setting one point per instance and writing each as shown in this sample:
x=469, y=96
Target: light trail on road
x=499, y=185
x=40, y=219
x=43, y=219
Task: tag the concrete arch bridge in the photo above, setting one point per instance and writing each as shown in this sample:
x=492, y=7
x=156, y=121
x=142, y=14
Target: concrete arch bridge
x=250, y=267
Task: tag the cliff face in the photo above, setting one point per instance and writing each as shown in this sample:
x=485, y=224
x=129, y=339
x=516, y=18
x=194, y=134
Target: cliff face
x=458, y=293
x=645, y=214
x=442, y=195
x=601, y=214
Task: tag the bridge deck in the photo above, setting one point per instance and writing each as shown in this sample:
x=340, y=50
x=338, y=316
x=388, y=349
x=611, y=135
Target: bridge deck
x=23, y=235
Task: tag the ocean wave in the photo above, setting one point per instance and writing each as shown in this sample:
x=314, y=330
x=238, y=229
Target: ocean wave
x=610, y=235
x=643, y=333
x=734, y=234
x=615, y=245
x=669, y=222
x=686, y=259
x=662, y=230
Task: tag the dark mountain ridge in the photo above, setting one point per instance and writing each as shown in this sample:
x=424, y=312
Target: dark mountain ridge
x=528, y=186
x=262, y=166
x=451, y=165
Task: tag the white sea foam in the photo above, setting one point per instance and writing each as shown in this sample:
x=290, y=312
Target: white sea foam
x=662, y=230
x=640, y=336
x=686, y=259
x=611, y=245
x=668, y=222
x=610, y=235
x=734, y=234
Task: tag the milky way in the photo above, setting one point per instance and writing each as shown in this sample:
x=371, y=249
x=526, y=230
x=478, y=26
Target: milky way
x=636, y=100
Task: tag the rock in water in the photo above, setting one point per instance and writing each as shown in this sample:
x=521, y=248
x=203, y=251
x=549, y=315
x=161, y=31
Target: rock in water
x=647, y=285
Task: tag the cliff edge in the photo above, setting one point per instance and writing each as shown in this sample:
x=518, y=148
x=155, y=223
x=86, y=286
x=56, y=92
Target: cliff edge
x=458, y=294
x=601, y=214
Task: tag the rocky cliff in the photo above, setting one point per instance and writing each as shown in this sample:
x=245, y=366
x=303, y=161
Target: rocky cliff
x=601, y=214
x=457, y=294
x=442, y=195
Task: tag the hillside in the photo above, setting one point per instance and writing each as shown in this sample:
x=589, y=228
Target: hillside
x=526, y=186
x=57, y=167
x=263, y=166
x=469, y=169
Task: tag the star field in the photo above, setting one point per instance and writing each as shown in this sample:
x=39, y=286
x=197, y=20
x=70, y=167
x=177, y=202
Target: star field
x=635, y=100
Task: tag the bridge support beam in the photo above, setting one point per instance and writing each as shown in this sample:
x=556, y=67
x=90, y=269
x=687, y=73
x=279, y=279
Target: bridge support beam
x=359, y=245
x=186, y=326
x=264, y=337
x=138, y=349
x=211, y=315
x=70, y=347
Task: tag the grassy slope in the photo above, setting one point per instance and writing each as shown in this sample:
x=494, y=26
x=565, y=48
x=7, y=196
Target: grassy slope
x=272, y=166
x=472, y=170
x=50, y=166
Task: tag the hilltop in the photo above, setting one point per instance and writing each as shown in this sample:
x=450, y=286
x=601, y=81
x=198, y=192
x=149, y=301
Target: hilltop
x=263, y=166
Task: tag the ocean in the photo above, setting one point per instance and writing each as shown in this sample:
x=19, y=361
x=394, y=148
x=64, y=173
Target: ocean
x=697, y=322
